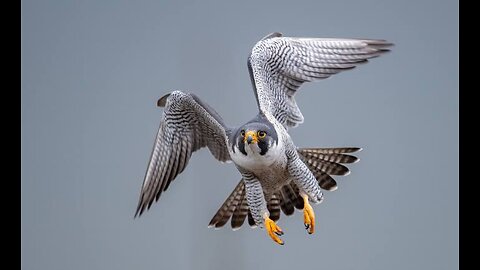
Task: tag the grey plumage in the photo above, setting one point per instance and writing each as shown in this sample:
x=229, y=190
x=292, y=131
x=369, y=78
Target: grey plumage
x=185, y=122
x=275, y=173
x=255, y=199
x=280, y=65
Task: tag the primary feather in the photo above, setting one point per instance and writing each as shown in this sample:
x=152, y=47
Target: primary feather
x=279, y=65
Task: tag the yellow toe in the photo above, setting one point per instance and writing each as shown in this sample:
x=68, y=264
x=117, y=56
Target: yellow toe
x=308, y=216
x=273, y=230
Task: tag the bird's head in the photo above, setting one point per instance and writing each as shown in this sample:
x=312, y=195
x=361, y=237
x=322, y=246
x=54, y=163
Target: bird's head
x=256, y=137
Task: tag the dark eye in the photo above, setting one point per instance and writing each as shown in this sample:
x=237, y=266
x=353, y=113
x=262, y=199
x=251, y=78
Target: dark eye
x=261, y=134
x=242, y=133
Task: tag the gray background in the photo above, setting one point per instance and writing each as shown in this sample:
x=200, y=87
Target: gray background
x=93, y=70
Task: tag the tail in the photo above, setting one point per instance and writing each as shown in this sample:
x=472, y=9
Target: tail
x=323, y=162
x=236, y=208
x=236, y=205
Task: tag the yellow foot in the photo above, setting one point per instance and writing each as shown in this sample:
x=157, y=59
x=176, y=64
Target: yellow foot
x=273, y=230
x=308, y=216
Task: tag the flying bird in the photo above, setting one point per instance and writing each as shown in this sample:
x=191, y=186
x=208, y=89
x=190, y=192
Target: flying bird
x=275, y=174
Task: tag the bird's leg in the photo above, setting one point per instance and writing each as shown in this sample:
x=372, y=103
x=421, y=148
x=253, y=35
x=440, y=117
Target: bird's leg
x=308, y=215
x=309, y=190
x=258, y=206
x=273, y=229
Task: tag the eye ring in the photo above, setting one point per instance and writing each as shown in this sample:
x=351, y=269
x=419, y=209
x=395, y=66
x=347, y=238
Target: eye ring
x=242, y=133
x=261, y=134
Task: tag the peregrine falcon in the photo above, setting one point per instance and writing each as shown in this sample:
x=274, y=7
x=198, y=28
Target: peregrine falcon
x=275, y=174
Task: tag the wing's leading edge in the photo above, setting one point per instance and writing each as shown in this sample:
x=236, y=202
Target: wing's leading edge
x=187, y=125
x=279, y=65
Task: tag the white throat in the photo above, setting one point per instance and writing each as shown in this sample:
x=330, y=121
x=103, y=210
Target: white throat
x=253, y=160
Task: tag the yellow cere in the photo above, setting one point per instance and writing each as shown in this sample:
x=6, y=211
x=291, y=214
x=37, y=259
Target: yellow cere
x=251, y=133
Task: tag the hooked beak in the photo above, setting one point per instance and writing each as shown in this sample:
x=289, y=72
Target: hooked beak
x=250, y=136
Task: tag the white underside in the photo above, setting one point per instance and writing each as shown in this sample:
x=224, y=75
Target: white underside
x=253, y=161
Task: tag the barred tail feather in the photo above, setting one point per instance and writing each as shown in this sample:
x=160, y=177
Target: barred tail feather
x=325, y=181
x=329, y=151
x=273, y=207
x=229, y=206
x=324, y=162
x=251, y=221
x=286, y=203
x=240, y=214
x=236, y=206
x=298, y=202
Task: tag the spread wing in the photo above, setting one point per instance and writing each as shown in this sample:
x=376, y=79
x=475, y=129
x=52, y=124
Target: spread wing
x=279, y=65
x=187, y=125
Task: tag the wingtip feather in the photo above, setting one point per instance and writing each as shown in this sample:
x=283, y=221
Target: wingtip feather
x=163, y=100
x=333, y=188
x=272, y=35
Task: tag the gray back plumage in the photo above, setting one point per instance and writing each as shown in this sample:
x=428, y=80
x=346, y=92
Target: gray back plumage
x=279, y=65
